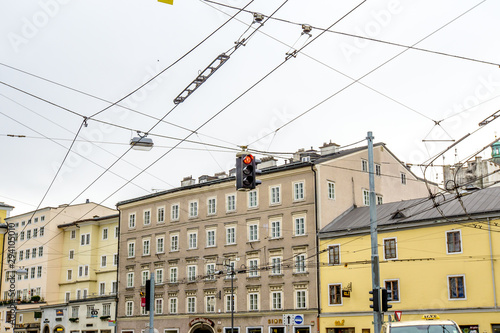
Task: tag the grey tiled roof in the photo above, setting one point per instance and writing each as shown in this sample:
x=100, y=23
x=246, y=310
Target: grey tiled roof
x=486, y=201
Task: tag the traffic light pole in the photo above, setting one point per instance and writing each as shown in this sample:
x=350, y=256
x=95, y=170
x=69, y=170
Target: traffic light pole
x=152, y=303
x=378, y=314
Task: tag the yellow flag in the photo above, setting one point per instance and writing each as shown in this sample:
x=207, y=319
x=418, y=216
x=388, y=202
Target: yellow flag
x=170, y=2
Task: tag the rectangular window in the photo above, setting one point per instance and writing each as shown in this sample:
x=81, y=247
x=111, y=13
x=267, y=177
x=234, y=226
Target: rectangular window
x=35, y=233
x=390, y=249
x=159, y=276
x=364, y=165
x=210, y=238
x=102, y=288
x=40, y=251
x=106, y=309
x=275, y=195
x=335, y=292
x=160, y=245
x=146, y=247
x=67, y=296
x=403, y=178
x=252, y=199
x=392, y=287
x=174, y=216
x=192, y=240
x=300, y=263
x=28, y=234
x=74, y=311
x=298, y=191
x=32, y=272
x=210, y=304
x=33, y=252
x=231, y=203
x=147, y=217
x=230, y=235
x=253, y=232
x=159, y=306
x=210, y=271
x=456, y=286
x=276, y=265
x=300, y=299
x=193, y=209
x=230, y=304
x=131, y=221
x=276, y=229
x=115, y=259
x=453, y=241
x=331, y=190
x=145, y=277
x=173, y=305
x=191, y=304
x=276, y=300
x=103, y=261
x=117, y=232
x=130, y=279
x=105, y=233
x=378, y=171
x=380, y=200
x=160, y=216
x=69, y=275
x=212, y=206
x=300, y=226
x=173, y=274
x=366, y=197
x=191, y=273
x=28, y=251
x=129, y=308
x=174, y=243
x=253, y=267
x=85, y=239
x=42, y=231
x=334, y=255
x=131, y=250
x=253, y=302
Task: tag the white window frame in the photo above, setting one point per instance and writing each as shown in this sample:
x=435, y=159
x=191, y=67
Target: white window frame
x=274, y=196
x=173, y=305
x=461, y=241
x=193, y=209
x=253, y=236
x=160, y=249
x=449, y=291
x=129, y=308
x=191, y=304
x=366, y=197
x=253, y=267
x=301, y=194
x=191, y=273
x=146, y=247
x=231, y=235
x=174, y=243
x=330, y=187
x=174, y=274
x=105, y=233
x=174, y=212
x=278, y=296
x=160, y=214
x=146, y=215
x=212, y=206
x=396, y=245
x=192, y=240
x=230, y=202
x=341, y=298
x=275, y=232
x=131, y=249
x=299, y=231
x=300, y=263
x=297, y=292
x=253, y=305
x=249, y=199
x=132, y=221
x=211, y=240
x=130, y=279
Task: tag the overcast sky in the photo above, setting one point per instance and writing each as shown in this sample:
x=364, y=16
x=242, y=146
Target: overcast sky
x=61, y=60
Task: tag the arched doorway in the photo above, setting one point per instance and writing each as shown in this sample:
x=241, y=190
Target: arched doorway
x=201, y=328
x=46, y=329
x=58, y=329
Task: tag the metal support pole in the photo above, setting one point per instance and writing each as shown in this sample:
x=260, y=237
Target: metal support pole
x=377, y=315
x=152, y=303
x=232, y=298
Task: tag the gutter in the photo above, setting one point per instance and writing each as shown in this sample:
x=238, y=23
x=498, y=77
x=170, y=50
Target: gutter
x=318, y=281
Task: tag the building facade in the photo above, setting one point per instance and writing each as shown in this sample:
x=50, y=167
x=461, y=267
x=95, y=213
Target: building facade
x=39, y=250
x=431, y=263
x=194, y=237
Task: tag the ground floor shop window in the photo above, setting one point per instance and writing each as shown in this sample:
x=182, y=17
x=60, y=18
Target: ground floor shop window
x=470, y=328
x=302, y=330
x=274, y=329
x=340, y=330
x=228, y=330
x=254, y=329
x=495, y=328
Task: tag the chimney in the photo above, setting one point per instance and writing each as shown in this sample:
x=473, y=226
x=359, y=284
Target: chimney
x=329, y=148
x=186, y=181
x=267, y=162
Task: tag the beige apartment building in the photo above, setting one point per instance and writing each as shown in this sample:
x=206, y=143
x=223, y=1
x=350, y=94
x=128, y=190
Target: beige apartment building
x=189, y=236
x=39, y=250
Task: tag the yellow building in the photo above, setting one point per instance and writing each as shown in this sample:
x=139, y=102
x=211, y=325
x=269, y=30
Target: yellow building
x=442, y=262
x=4, y=213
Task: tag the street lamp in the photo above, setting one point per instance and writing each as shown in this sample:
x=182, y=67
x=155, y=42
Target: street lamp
x=141, y=142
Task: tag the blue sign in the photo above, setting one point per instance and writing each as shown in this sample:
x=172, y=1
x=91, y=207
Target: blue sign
x=299, y=319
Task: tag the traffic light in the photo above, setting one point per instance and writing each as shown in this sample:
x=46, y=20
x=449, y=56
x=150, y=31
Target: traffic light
x=375, y=300
x=385, y=298
x=148, y=294
x=246, y=172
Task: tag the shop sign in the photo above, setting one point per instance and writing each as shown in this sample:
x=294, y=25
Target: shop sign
x=430, y=316
x=59, y=312
x=346, y=293
x=339, y=322
x=205, y=321
x=275, y=321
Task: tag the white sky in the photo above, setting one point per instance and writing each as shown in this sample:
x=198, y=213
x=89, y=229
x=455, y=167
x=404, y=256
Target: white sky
x=108, y=49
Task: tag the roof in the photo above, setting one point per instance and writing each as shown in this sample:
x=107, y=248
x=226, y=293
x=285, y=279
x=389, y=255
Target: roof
x=480, y=202
x=269, y=170
x=94, y=219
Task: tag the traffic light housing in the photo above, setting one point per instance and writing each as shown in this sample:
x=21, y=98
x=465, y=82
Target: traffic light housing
x=148, y=294
x=375, y=299
x=385, y=298
x=246, y=172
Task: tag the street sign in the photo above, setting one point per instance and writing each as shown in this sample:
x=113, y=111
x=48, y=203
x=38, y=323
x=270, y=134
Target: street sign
x=398, y=314
x=288, y=319
x=299, y=319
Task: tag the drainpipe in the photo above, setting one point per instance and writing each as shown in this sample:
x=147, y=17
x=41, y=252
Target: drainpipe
x=492, y=266
x=318, y=281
